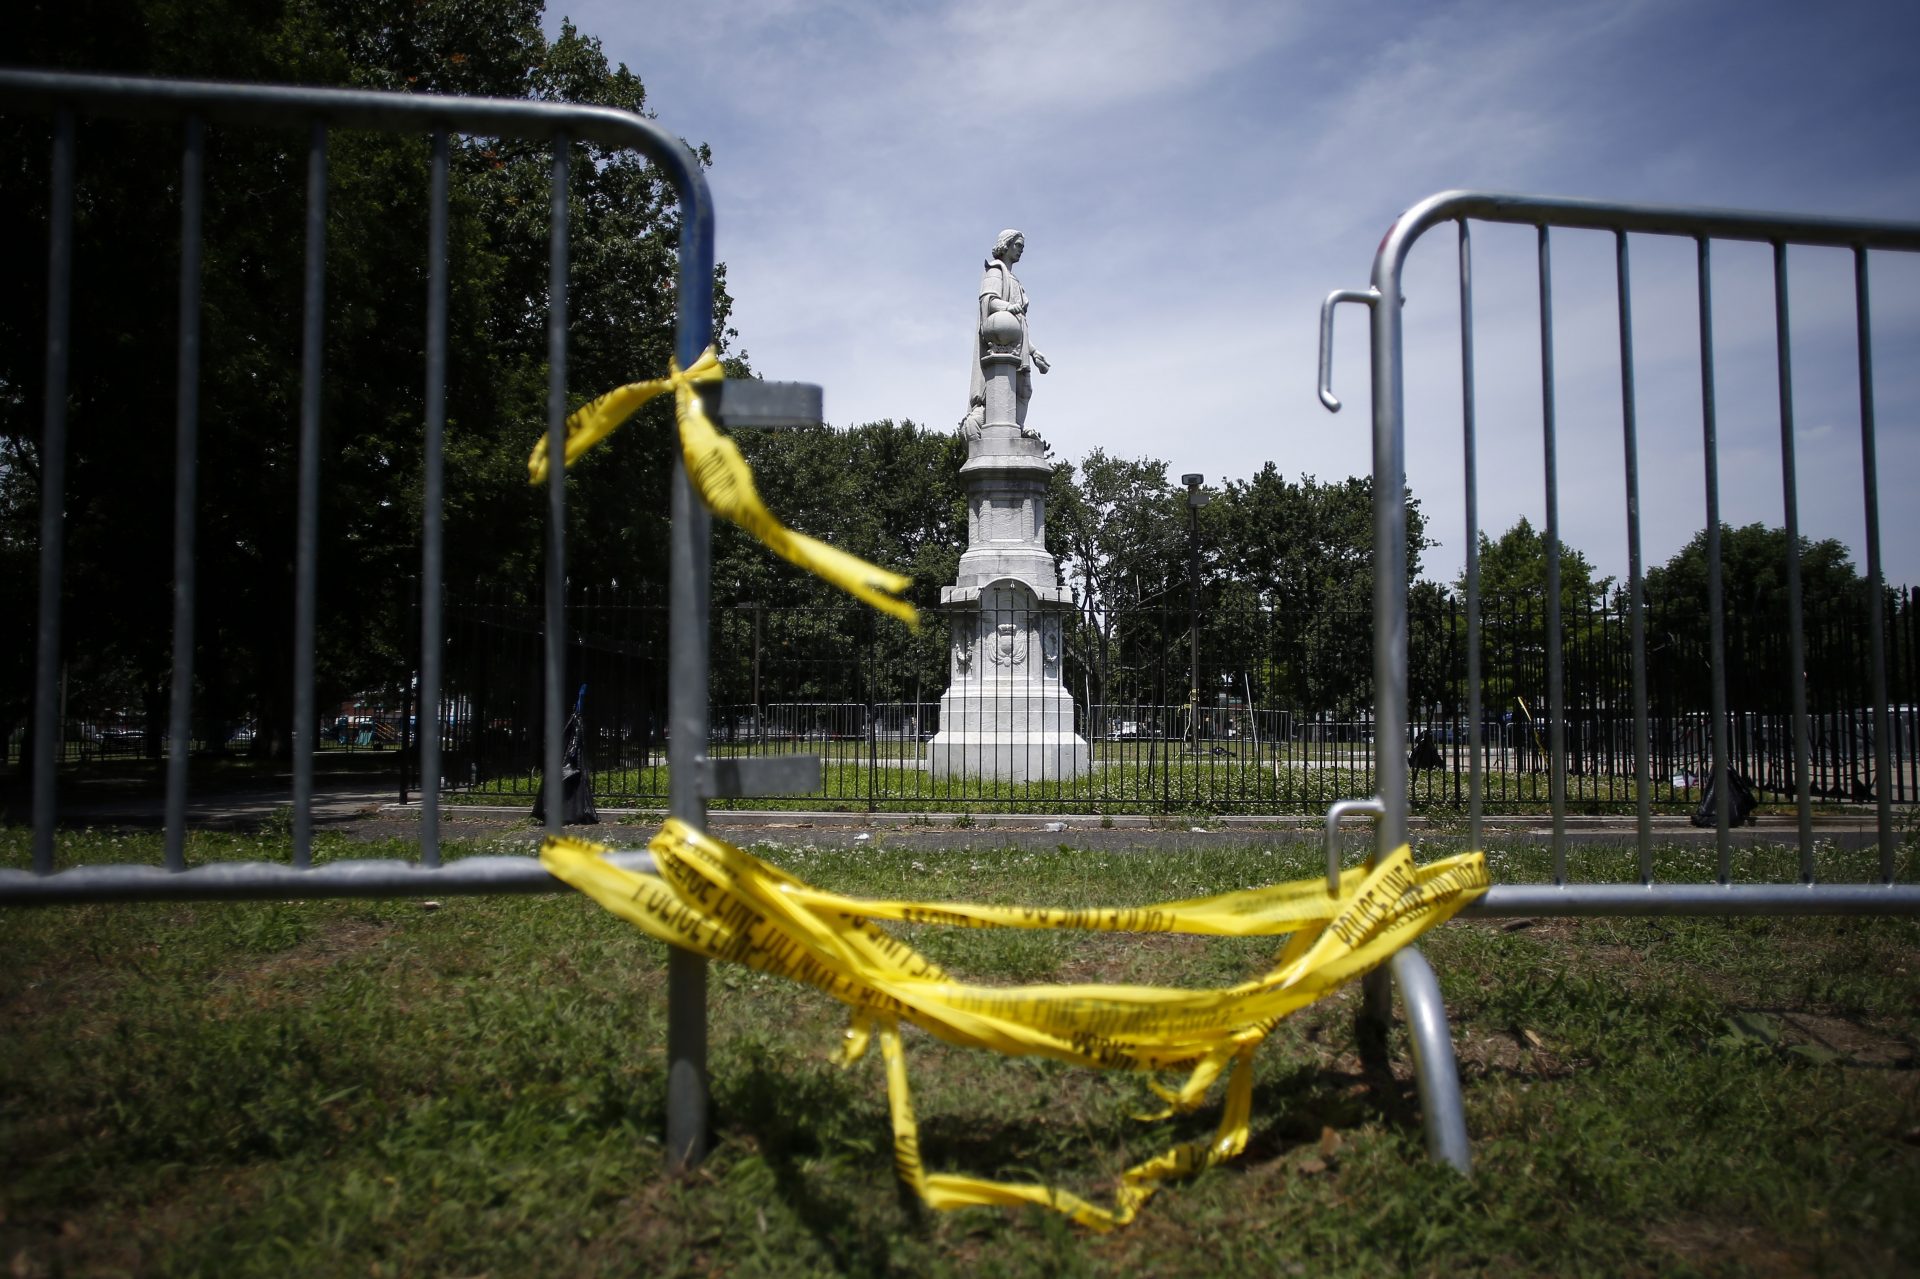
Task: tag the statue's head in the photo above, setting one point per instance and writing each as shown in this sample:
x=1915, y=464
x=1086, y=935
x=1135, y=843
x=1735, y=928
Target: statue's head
x=1009, y=246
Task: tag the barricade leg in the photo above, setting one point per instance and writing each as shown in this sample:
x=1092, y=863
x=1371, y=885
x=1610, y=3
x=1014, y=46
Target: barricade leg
x=1442, y=1112
x=1375, y=1018
x=686, y=749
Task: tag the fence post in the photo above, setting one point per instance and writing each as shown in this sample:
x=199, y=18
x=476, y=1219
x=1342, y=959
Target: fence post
x=686, y=749
x=873, y=693
x=407, y=677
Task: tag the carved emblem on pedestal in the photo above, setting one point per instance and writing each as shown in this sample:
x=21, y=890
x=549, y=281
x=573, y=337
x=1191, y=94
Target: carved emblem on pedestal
x=1009, y=645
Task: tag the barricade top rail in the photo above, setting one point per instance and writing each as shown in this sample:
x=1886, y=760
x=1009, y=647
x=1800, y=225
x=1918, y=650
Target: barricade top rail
x=1652, y=219
x=288, y=105
x=142, y=98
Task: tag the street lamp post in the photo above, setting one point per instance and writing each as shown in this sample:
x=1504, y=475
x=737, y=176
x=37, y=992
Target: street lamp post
x=1195, y=500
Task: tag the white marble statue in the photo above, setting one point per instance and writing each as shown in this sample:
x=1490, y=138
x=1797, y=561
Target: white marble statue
x=1000, y=291
x=1007, y=713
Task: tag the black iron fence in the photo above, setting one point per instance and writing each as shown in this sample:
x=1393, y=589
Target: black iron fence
x=1283, y=723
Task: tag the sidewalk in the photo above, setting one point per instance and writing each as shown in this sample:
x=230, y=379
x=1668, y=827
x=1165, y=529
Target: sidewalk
x=365, y=812
x=1032, y=830
x=335, y=801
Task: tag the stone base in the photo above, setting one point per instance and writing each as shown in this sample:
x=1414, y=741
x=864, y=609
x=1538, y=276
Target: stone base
x=1004, y=757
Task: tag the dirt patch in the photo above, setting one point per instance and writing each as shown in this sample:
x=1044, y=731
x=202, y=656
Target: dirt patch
x=95, y=1239
x=1496, y=1052
x=1546, y=928
x=1132, y=960
x=457, y=823
x=264, y=982
x=1730, y=1247
x=1830, y=1040
x=1737, y=1247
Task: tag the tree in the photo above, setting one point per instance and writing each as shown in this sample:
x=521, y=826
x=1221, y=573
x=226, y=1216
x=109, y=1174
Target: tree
x=1118, y=528
x=1513, y=571
x=624, y=233
x=1307, y=546
x=1753, y=561
x=889, y=493
x=1304, y=549
x=1513, y=616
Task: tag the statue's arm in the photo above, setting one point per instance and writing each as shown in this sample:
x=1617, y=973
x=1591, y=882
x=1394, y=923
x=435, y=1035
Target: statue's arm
x=993, y=290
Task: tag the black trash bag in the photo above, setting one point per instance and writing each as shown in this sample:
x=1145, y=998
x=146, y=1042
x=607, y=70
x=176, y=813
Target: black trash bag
x=576, y=782
x=1741, y=801
x=1426, y=752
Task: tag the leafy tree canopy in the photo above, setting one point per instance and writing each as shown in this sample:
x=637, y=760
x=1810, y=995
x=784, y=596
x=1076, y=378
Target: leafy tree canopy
x=1119, y=526
x=1306, y=546
x=1513, y=570
x=1753, y=574
x=624, y=230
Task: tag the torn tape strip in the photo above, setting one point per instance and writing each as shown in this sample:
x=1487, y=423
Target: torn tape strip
x=720, y=901
x=725, y=482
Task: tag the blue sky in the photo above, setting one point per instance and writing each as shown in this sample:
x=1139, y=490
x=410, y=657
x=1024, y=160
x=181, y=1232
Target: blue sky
x=1192, y=179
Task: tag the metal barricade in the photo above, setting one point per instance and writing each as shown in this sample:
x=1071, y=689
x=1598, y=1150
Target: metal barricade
x=318, y=112
x=1384, y=300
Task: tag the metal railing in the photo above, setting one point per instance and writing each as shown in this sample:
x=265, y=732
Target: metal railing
x=1384, y=301
x=1434, y=1063
x=1288, y=728
x=318, y=112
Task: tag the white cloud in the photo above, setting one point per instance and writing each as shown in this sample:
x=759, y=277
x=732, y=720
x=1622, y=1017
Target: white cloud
x=1194, y=178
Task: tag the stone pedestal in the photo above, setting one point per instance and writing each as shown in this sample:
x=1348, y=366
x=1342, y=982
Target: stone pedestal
x=1006, y=715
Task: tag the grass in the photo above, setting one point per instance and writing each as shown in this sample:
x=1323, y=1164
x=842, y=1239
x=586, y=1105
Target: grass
x=378, y=1088
x=1171, y=783
x=1127, y=778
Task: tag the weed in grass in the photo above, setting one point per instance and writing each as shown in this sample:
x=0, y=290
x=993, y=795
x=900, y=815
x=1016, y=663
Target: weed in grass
x=278, y=824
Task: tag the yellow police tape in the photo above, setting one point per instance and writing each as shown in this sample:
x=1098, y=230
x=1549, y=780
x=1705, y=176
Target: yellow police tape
x=716, y=900
x=725, y=482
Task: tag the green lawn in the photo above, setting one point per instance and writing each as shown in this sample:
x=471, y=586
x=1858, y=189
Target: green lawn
x=379, y=1088
x=1127, y=781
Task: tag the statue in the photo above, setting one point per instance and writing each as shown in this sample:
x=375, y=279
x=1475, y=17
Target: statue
x=1007, y=714
x=1000, y=292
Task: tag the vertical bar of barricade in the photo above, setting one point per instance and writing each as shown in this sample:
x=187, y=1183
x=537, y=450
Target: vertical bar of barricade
x=186, y=465
x=53, y=489
x=1636, y=586
x=686, y=750
x=1796, y=622
x=1389, y=603
x=409, y=708
x=432, y=498
x=1390, y=573
x=1876, y=585
x=1906, y=603
x=307, y=521
x=689, y=555
x=1716, y=611
x=556, y=619
x=1476, y=780
x=1556, y=662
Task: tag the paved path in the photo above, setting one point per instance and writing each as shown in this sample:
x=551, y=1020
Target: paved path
x=367, y=812
x=895, y=830
x=334, y=802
